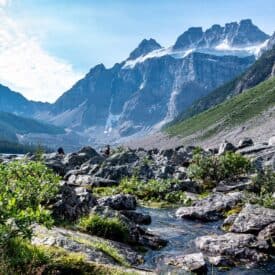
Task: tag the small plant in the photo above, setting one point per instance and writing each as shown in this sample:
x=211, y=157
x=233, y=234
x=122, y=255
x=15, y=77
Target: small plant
x=110, y=228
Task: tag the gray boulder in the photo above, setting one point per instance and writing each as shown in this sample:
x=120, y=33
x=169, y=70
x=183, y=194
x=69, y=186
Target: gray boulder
x=87, y=180
x=252, y=219
x=211, y=208
x=191, y=262
x=245, y=142
x=72, y=203
x=119, y=202
x=268, y=234
x=226, y=147
x=87, y=245
x=232, y=249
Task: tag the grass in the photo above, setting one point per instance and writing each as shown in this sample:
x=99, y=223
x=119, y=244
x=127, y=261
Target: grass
x=106, y=248
x=110, y=228
x=230, y=113
x=21, y=257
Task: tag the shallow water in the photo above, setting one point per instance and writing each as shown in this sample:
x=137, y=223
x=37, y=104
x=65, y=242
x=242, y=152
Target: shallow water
x=180, y=235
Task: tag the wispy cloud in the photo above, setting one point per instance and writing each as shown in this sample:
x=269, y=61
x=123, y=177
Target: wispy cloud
x=4, y=3
x=27, y=68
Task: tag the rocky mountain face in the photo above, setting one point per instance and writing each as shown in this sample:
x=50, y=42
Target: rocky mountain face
x=153, y=85
x=231, y=35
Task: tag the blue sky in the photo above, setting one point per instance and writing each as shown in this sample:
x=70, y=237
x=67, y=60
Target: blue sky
x=83, y=33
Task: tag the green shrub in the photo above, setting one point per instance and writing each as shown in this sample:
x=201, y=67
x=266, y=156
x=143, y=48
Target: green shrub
x=24, y=188
x=109, y=228
x=152, y=191
x=211, y=169
x=263, y=188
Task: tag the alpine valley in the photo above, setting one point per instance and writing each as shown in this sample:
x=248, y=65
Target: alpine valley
x=152, y=87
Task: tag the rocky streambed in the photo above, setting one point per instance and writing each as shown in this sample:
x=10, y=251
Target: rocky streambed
x=221, y=231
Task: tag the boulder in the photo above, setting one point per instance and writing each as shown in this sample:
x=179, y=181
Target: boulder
x=191, y=262
x=271, y=141
x=87, y=180
x=245, y=142
x=119, y=202
x=55, y=162
x=211, y=208
x=226, y=147
x=229, y=186
x=122, y=158
x=114, y=172
x=232, y=248
x=252, y=219
x=137, y=234
x=72, y=203
x=137, y=217
x=89, y=246
x=268, y=234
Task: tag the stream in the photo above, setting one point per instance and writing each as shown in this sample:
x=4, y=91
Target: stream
x=180, y=235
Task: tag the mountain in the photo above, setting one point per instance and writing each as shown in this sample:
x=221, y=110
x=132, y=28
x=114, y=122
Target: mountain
x=13, y=126
x=14, y=102
x=154, y=84
x=150, y=88
x=231, y=35
x=252, y=110
x=261, y=70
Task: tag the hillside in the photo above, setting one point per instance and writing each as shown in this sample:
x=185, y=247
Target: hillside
x=231, y=113
x=11, y=125
x=262, y=69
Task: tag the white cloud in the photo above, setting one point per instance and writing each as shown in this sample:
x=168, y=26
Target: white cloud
x=4, y=3
x=27, y=68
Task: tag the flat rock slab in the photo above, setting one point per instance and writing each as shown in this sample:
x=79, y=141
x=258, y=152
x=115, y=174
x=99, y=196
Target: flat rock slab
x=210, y=208
x=232, y=248
x=252, y=219
x=74, y=241
x=191, y=262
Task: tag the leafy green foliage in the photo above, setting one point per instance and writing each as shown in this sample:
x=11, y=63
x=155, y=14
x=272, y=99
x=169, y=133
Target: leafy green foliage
x=151, y=191
x=210, y=169
x=230, y=113
x=263, y=187
x=25, y=186
x=110, y=228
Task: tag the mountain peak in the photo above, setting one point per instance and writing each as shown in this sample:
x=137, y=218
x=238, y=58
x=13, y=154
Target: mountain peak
x=191, y=37
x=144, y=47
x=236, y=34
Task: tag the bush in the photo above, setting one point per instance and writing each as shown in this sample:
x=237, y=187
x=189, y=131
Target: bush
x=263, y=188
x=211, y=169
x=24, y=188
x=110, y=228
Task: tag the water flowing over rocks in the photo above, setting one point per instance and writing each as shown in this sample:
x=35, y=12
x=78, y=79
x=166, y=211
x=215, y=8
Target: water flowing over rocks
x=249, y=228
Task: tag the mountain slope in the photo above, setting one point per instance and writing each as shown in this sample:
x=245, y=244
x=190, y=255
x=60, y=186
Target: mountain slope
x=14, y=102
x=233, y=112
x=263, y=68
x=12, y=125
